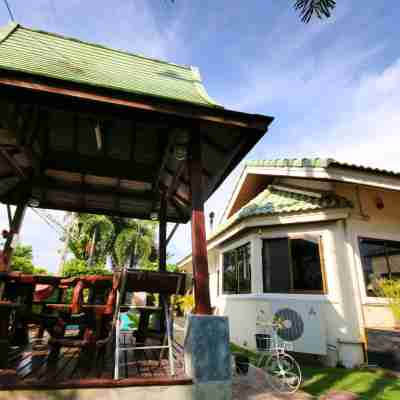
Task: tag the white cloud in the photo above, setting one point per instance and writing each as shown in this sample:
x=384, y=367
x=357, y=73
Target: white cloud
x=367, y=130
x=45, y=240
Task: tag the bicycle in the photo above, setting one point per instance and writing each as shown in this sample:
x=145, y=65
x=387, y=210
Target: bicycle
x=281, y=369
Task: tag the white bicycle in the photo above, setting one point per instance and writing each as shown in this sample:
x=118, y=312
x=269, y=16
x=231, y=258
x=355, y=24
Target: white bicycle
x=282, y=371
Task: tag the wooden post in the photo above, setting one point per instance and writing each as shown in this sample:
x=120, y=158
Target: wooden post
x=162, y=235
x=15, y=228
x=199, y=244
x=6, y=307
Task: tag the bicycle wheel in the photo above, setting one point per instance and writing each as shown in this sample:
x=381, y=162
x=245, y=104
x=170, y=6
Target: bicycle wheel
x=284, y=373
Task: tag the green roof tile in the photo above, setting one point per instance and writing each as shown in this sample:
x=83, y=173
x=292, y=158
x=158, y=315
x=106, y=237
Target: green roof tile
x=325, y=163
x=50, y=55
x=275, y=201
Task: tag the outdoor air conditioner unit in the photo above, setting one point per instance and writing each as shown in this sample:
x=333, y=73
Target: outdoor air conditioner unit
x=304, y=325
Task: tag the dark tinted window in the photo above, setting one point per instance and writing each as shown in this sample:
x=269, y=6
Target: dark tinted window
x=237, y=270
x=291, y=265
x=380, y=259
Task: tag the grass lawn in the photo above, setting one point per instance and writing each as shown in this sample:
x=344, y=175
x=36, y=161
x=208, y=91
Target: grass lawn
x=377, y=385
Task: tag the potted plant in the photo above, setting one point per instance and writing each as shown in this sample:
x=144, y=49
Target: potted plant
x=241, y=364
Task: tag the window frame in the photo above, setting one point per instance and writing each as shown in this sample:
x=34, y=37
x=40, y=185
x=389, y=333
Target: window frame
x=323, y=291
x=223, y=254
x=368, y=298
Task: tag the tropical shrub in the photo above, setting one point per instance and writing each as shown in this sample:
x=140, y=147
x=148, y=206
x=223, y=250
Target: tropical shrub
x=390, y=289
x=76, y=267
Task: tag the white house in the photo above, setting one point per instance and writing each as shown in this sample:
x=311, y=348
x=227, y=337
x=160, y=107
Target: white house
x=303, y=240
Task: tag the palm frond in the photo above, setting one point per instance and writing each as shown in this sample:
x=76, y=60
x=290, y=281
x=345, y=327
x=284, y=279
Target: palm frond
x=309, y=8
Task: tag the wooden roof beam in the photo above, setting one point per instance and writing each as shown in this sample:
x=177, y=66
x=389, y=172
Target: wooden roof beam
x=163, y=162
x=164, y=159
x=13, y=163
x=146, y=104
x=49, y=205
x=99, y=166
x=181, y=199
x=83, y=189
x=175, y=180
x=213, y=144
x=183, y=214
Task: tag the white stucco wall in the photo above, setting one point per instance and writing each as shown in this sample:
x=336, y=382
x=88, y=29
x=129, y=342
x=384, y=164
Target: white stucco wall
x=370, y=222
x=345, y=310
x=337, y=322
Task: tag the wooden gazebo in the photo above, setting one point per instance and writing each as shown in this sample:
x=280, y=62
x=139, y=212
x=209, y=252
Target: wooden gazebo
x=85, y=128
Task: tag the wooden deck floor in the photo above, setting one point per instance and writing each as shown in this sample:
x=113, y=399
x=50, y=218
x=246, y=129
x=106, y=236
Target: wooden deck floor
x=74, y=368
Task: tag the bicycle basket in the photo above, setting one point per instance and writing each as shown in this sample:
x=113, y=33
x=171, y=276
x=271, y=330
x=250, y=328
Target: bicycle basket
x=263, y=342
x=288, y=346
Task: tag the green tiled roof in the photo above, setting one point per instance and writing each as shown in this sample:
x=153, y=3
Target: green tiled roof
x=325, y=163
x=275, y=201
x=54, y=56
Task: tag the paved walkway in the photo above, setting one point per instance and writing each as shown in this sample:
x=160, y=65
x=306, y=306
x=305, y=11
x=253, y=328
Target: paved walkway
x=254, y=387
x=251, y=387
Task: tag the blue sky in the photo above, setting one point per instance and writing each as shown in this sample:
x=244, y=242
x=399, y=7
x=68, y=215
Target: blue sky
x=333, y=86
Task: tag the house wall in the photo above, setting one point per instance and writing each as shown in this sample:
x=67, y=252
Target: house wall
x=334, y=331
x=346, y=309
x=369, y=221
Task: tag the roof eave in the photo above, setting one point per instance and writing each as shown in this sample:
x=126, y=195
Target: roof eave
x=41, y=84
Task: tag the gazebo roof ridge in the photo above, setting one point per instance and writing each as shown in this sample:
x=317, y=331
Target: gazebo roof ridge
x=8, y=29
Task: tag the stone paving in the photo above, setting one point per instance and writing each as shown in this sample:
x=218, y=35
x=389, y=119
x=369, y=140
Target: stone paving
x=254, y=386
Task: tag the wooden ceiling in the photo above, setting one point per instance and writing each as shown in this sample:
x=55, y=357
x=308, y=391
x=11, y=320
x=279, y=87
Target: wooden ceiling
x=74, y=152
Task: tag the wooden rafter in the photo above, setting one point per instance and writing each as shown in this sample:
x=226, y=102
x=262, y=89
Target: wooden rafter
x=177, y=196
x=241, y=146
x=83, y=189
x=179, y=209
x=11, y=161
x=213, y=144
x=164, y=159
x=98, y=165
x=175, y=180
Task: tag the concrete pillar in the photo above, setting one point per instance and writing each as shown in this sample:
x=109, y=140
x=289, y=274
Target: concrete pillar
x=208, y=357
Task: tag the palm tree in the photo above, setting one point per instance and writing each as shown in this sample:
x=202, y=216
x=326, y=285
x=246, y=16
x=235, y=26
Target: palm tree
x=92, y=238
x=96, y=238
x=135, y=243
x=319, y=8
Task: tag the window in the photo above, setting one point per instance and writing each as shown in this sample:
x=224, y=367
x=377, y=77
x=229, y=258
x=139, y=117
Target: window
x=237, y=271
x=292, y=265
x=380, y=259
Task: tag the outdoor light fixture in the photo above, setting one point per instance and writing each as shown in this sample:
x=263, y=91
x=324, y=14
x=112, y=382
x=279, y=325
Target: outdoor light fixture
x=181, y=144
x=154, y=216
x=379, y=203
x=33, y=202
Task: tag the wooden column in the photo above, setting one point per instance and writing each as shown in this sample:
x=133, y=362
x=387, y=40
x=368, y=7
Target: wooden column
x=199, y=244
x=15, y=228
x=162, y=235
x=6, y=307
